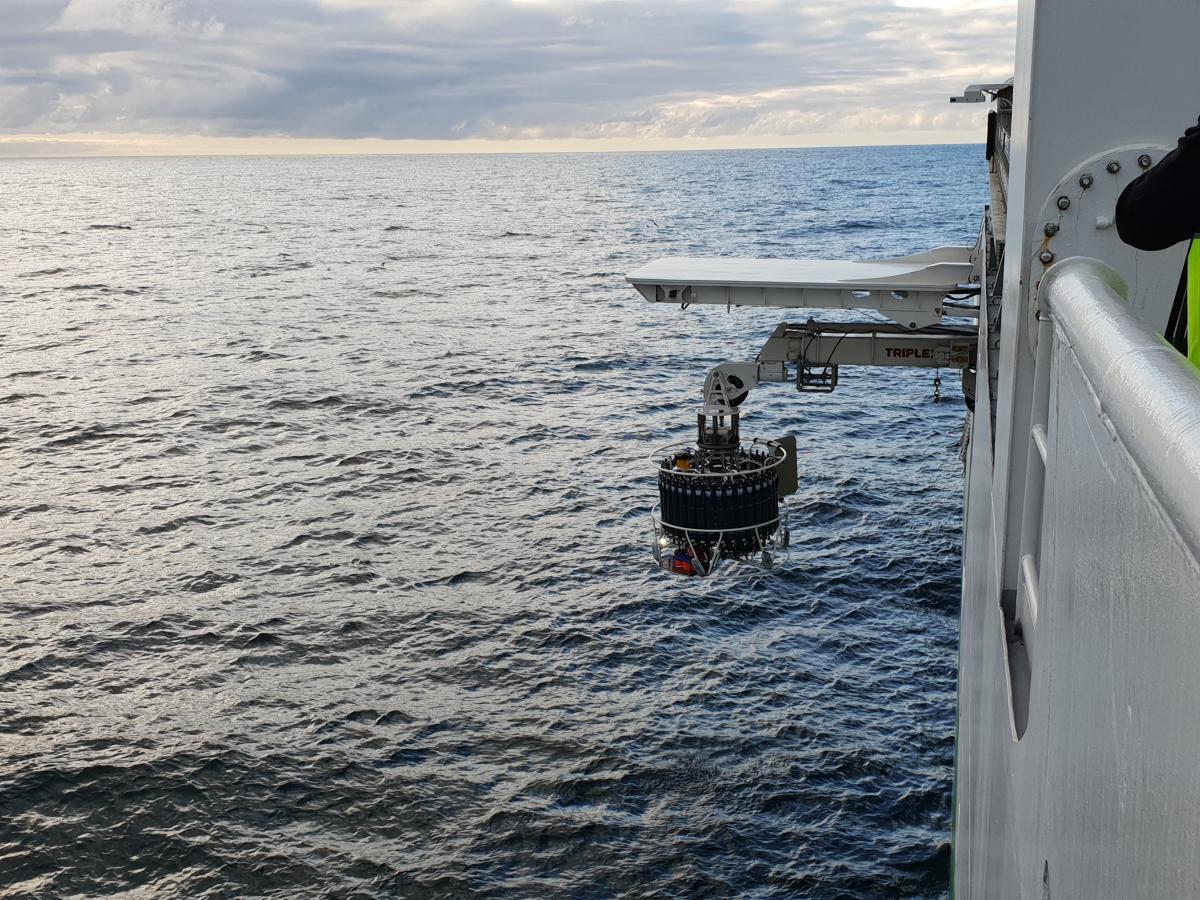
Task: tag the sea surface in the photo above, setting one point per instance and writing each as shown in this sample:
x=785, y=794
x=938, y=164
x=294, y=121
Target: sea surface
x=325, y=550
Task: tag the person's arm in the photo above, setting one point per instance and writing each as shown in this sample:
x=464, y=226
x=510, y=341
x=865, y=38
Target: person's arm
x=1162, y=207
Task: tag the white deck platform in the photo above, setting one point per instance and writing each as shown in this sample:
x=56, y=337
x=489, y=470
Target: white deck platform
x=907, y=289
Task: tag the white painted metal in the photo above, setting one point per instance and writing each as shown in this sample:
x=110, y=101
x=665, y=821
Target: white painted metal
x=1079, y=216
x=1144, y=393
x=907, y=289
x=727, y=384
x=1080, y=593
x=981, y=93
x=1075, y=102
x=1099, y=796
x=830, y=346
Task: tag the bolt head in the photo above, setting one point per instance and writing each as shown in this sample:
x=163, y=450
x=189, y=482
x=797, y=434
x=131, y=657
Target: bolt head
x=1144, y=160
x=1085, y=181
x=1051, y=229
x=1046, y=257
x=1064, y=202
x=1113, y=167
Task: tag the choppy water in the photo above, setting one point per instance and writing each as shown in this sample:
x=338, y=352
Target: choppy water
x=323, y=532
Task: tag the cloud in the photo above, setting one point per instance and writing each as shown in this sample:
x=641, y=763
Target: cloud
x=149, y=18
x=496, y=69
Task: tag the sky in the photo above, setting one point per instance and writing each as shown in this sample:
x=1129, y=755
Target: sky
x=86, y=77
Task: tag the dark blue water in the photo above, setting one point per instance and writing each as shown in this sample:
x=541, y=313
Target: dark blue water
x=323, y=525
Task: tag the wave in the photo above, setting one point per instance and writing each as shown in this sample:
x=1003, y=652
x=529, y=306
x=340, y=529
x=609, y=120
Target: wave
x=339, y=582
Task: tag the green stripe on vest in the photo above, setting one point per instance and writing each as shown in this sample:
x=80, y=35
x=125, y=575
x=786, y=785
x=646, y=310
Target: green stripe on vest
x=1193, y=302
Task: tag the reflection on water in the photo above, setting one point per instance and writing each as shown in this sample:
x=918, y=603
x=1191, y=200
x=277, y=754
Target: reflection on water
x=326, y=543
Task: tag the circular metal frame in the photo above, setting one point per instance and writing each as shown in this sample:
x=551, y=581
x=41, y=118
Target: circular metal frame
x=778, y=520
x=778, y=451
x=773, y=551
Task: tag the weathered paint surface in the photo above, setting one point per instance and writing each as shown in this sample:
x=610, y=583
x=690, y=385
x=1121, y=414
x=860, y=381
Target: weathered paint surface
x=1078, y=773
x=1100, y=795
x=1079, y=721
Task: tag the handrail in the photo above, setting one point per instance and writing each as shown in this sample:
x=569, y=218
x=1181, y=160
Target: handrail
x=1148, y=392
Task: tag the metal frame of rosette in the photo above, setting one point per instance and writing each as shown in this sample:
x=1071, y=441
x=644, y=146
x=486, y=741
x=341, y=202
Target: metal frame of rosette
x=719, y=503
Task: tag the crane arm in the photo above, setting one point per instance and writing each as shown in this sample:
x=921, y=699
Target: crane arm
x=728, y=384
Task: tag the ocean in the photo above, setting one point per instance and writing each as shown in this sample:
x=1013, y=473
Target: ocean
x=326, y=552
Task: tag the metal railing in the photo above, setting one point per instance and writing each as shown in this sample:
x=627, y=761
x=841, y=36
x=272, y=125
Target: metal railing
x=1110, y=519
x=1148, y=394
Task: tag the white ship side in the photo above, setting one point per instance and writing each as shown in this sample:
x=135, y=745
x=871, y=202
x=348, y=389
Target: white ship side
x=1078, y=773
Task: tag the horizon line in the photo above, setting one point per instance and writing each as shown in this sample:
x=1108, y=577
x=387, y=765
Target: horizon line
x=376, y=155
x=110, y=146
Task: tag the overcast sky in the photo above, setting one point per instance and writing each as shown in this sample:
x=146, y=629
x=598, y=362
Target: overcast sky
x=159, y=75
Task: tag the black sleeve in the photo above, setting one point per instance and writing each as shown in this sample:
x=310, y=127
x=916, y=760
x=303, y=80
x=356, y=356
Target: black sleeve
x=1162, y=207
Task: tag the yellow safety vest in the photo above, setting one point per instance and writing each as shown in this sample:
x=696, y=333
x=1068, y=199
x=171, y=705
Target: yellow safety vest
x=1193, y=303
